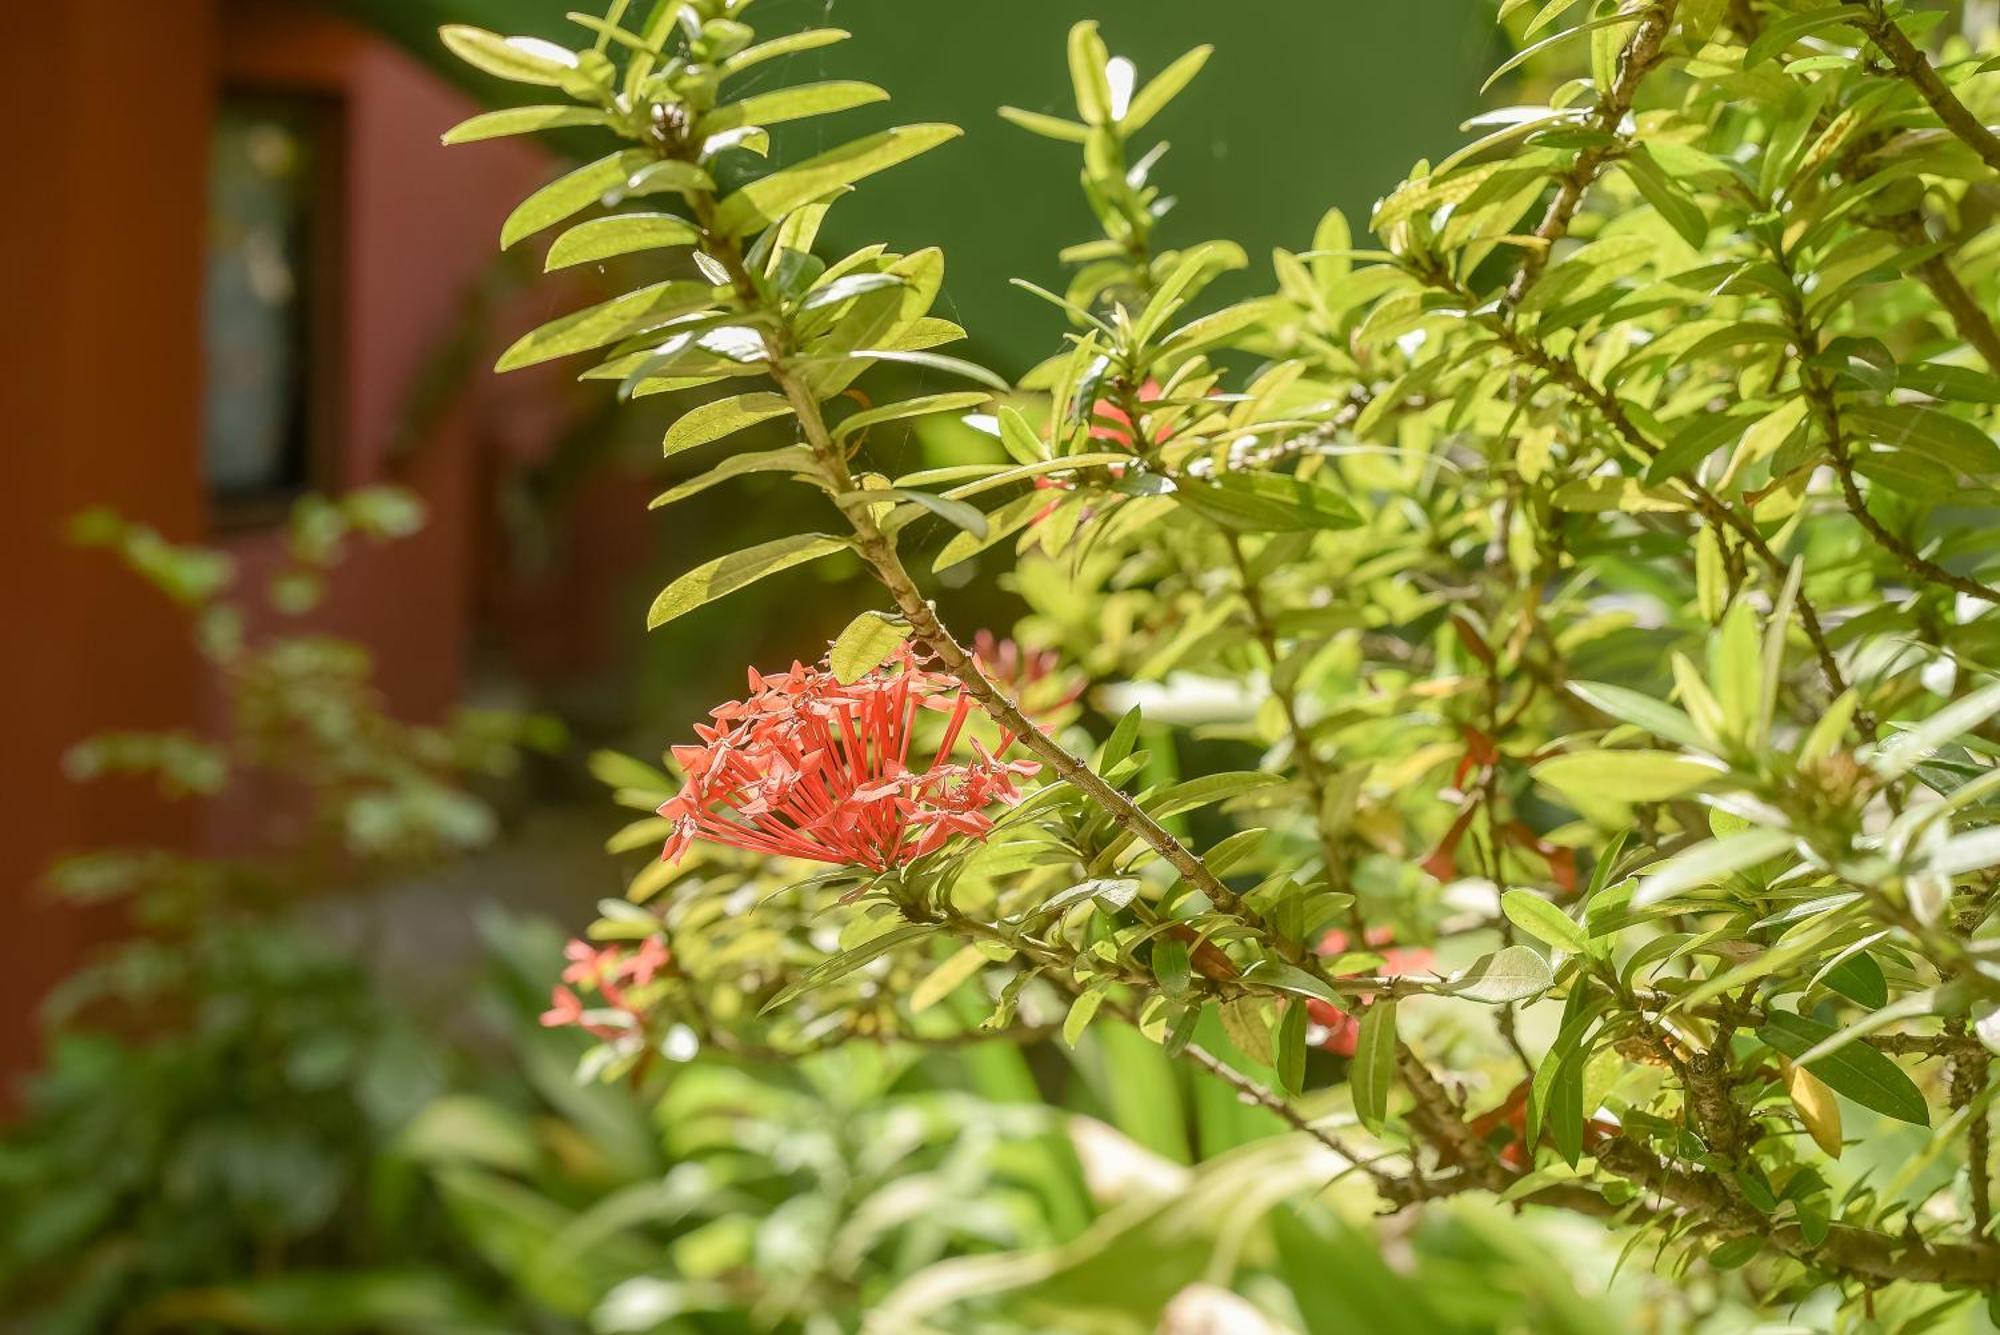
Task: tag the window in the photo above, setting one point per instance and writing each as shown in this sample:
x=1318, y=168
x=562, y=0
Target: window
x=267, y=302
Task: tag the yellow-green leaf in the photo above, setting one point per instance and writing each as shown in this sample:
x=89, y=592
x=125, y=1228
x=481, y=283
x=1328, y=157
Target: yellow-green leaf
x=726, y=574
x=723, y=417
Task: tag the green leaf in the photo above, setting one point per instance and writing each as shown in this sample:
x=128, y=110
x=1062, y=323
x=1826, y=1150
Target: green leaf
x=966, y=518
x=933, y=360
x=1087, y=61
x=955, y=402
x=1081, y=1012
x=845, y=963
x=669, y=174
x=1667, y=196
x=1114, y=892
x=607, y=322
x=621, y=234
x=1050, y=127
x=1780, y=35
x=1640, y=710
x=946, y=979
x=790, y=104
x=1171, y=966
x=516, y=59
x=1936, y=435
x=865, y=645
x=1527, y=53
x=1626, y=776
x=521, y=120
x=770, y=198
x=1544, y=921
x=718, y=418
x=1709, y=862
x=1289, y=1059
x=1374, y=1068
x=1278, y=976
x=1204, y=790
x=1266, y=503
x=572, y=192
x=1513, y=974
x=1162, y=88
x=790, y=459
x=1855, y=1070
x=726, y=574
x=809, y=40
x=1899, y=753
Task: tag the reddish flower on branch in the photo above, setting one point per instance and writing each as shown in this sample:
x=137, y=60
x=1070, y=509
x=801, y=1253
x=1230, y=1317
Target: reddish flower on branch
x=808, y=768
x=1034, y=678
x=607, y=971
x=1343, y=1030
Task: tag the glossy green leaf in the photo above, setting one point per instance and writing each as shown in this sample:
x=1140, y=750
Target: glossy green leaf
x=607, y=322
x=714, y=420
x=764, y=201
x=1374, y=1068
x=1855, y=1070
x=620, y=234
x=726, y=574
x=571, y=193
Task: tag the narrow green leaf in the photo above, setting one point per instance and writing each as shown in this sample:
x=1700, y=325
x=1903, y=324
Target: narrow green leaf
x=1081, y=1012
x=1708, y=862
x=516, y=59
x=621, y=234
x=1899, y=753
x=718, y=418
x=790, y=104
x=1162, y=88
x=845, y=963
x=1628, y=706
x=1290, y=1057
x=770, y=198
x=1544, y=921
x=1626, y=776
x=521, y=120
x=1266, y=503
x=789, y=459
x=809, y=40
x=607, y=322
x=865, y=645
x=571, y=193
x=956, y=402
x=1049, y=127
x=726, y=574
x=1374, y=1068
x=1855, y=1070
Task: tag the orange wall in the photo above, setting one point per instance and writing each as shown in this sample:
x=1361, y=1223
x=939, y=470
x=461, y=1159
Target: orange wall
x=100, y=382
x=99, y=389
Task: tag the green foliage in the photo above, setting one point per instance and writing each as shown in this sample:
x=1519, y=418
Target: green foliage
x=1605, y=555
x=226, y=1085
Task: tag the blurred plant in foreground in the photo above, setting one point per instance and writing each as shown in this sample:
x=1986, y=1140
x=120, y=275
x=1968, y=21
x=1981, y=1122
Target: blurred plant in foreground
x=224, y=1082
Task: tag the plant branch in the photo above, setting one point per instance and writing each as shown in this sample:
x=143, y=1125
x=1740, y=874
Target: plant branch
x=1641, y=53
x=1912, y=65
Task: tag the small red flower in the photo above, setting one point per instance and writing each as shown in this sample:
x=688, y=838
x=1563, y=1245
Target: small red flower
x=606, y=970
x=1343, y=1030
x=1108, y=422
x=809, y=768
x=1032, y=677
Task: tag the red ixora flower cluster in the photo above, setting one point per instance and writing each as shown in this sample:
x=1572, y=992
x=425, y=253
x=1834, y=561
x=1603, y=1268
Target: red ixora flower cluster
x=809, y=768
x=608, y=971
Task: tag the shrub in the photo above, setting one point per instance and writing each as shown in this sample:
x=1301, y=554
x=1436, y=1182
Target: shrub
x=1541, y=658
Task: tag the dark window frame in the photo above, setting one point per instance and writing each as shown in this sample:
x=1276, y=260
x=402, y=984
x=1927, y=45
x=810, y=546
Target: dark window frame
x=313, y=454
